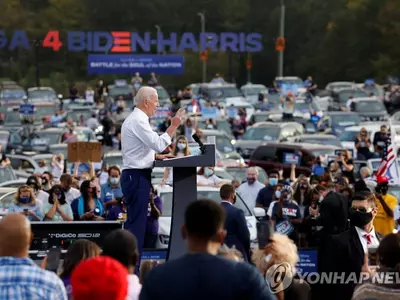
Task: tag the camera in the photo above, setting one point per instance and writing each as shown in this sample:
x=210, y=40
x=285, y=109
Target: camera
x=96, y=211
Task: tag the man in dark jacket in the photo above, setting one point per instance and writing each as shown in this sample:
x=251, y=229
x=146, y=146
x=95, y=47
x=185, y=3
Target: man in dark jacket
x=237, y=233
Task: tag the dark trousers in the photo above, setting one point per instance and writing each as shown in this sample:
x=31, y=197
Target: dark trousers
x=150, y=240
x=135, y=184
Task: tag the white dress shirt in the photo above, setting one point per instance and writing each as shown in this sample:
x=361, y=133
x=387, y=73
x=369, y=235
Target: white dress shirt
x=364, y=241
x=139, y=142
x=249, y=193
x=71, y=195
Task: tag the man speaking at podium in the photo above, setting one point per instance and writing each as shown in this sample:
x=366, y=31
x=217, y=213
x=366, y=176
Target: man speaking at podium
x=139, y=145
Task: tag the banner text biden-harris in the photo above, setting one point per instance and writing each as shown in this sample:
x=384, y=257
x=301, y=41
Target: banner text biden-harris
x=131, y=42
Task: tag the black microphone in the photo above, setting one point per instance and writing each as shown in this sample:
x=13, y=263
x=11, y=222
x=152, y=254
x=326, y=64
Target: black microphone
x=198, y=141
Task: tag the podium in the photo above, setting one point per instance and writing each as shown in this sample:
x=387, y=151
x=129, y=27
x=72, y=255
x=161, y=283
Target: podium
x=184, y=192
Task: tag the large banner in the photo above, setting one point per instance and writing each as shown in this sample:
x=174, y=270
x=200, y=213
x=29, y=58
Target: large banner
x=128, y=64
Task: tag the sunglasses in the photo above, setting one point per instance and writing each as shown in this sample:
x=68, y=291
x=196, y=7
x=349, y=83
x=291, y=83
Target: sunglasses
x=360, y=209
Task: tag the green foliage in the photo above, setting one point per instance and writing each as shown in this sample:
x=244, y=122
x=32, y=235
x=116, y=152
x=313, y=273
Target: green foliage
x=330, y=39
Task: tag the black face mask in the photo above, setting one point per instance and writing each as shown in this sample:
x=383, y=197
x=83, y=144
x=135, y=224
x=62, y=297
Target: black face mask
x=358, y=218
x=383, y=189
x=44, y=181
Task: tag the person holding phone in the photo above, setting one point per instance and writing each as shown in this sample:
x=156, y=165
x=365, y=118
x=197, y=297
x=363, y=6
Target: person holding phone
x=57, y=209
x=346, y=165
x=88, y=207
x=25, y=203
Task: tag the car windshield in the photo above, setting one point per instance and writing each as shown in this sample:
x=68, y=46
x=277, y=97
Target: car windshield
x=346, y=120
x=7, y=200
x=162, y=93
x=223, y=144
x=323, y=141
x=12, y=94
x=74, y=115
x=350, y=136
x=12, y=117
x=223, y=92
x=47, y=161
x=253, y=91
x=264, y=133
x=324, y=152
x=120, y=90
x=274, y=98
x=369, y=106
x=42, y=95
x=45, y=111
x=114, y=160
x=6, y=174
x=166, y=199
x=260, y=118
x=303, y=106
x=240, y=174
x=345, y=95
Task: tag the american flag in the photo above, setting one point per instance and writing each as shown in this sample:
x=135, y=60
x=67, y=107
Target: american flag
x=388, y=158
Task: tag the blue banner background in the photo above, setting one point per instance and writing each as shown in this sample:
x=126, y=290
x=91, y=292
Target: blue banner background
x=128, y=64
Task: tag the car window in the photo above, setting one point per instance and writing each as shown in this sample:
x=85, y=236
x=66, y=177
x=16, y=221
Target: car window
x=42, y=95
x=369, y=106
x=223, y=144
x=74, y=115
x=166, y=199
x=120, y=90
x=265, y=133
x=323, y=152
x=47, y=138
x=113, y=160
x=6, y=174
x=264, y=153
x=223, y=92
x=15, y=163
x=345, y=95
x=6, y=201
x=12, y=94
x=259, y=118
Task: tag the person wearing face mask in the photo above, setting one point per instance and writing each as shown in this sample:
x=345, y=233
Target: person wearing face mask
x=237, y=232
x=70, y=192
x=285, y=216
x=25, y=203
x=88, y=207
x=206, y=177
x=112, y=189
x=249, y=190
x=57, y=209
x=266, y=194
x=384, y=222
x=47, y=181
x=181, y=149
x=302, y=193
x=40, y=196
x=317, y=168
x=349, y=248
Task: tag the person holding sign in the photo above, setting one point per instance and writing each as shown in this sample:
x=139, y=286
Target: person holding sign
x=139, y=145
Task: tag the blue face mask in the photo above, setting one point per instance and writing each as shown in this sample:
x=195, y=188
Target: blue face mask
x=277, y=194
x=25, y=199
x=273, y=181
x=114, y=180
x=208, y=172
x=181, y=146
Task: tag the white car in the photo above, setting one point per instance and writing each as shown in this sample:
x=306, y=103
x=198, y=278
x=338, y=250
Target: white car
x=165, y=194
x=6, y=200
x=348, y=137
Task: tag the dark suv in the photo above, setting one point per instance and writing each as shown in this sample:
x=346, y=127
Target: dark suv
x=272, y=155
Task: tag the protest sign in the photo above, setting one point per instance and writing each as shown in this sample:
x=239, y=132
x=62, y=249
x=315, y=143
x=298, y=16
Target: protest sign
x=209, y=112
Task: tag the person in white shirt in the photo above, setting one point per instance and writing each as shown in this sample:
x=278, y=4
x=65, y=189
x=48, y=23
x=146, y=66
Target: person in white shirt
x=70, y=192
x=57, y=164
x=249, y=190
x=139, y=145
x=181, y=149
x=207, y=177
x=122, y=246
x=89, y=95
x=92, y=122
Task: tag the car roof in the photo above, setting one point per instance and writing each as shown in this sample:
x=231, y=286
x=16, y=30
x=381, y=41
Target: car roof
x=365, y=99
x=43, y=88
x=337, y=113
x=321, y=136
x=366, y=126
x=306, y=146
x=275, y=124
x=113, y=153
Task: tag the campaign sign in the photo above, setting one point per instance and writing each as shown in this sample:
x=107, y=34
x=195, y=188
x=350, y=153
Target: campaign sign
x=307, y=261
x=232, y=112
x=209, y=113
x=128, y=64
x=120, y=82
x=27, y=109
x=162, y=113
x=291, y=158
x=287, y=87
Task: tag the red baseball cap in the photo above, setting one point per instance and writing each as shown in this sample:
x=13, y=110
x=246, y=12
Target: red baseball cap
x=100, y=278
x=382, y=179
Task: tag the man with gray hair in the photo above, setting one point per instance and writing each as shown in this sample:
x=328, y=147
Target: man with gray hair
x=139, y=145
x=249, y=189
